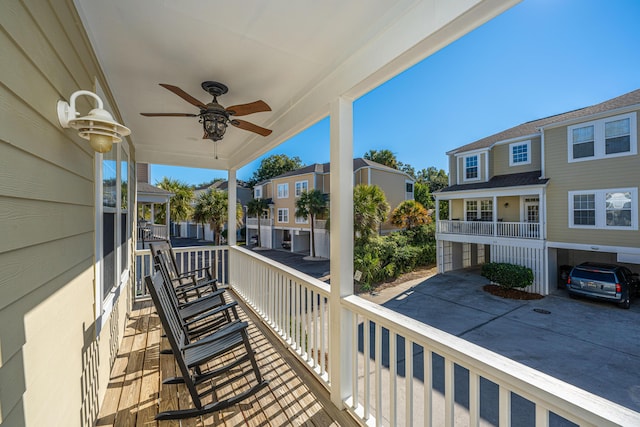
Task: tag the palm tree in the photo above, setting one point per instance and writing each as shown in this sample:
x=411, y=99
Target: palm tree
x=409, y=214
x=257, y=207
x=180, y=203
x=370, y=209
x=212, y=207
x=310, y=204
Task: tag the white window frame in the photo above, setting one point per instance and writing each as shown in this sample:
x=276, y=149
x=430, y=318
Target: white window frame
x=283, y=215
x=479, y=210
x=299, y=187
x=513, y=145
x=105, y=301
x=283, y=190
x=301, y=220
x=464, y=168
x=257, y=192
x=409, y=195
x=599, y=142
x=601, y=208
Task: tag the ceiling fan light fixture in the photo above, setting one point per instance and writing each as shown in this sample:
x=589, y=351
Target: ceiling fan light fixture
x=215, y=125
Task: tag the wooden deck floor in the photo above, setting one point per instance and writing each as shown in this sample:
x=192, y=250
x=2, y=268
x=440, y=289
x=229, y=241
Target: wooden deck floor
x=135, y=393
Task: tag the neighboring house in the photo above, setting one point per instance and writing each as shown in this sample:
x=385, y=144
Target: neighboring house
x=280, y=228
x=189, y=228
x=548, y=193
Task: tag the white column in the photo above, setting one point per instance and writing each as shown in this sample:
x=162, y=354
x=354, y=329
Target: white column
x=167, y=219
x=341, y=343
x=495, y=215
x=232, y=188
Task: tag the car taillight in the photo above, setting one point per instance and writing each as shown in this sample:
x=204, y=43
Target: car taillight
x=618, y=288
x=569, y=280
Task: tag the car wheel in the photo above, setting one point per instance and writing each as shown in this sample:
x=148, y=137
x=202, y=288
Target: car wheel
x=626, y=303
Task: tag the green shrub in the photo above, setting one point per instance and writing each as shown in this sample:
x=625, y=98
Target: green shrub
x=508, y=275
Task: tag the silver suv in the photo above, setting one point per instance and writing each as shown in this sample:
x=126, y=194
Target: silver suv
x=608, y=282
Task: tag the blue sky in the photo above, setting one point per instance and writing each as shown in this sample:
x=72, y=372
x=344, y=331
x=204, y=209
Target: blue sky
x=540, y=58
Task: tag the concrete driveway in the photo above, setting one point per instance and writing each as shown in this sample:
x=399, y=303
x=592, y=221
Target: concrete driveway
x=592, y=345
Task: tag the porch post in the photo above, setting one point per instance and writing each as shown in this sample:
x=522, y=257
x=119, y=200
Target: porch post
x=167, y=219
x=232, y=193
x=495, y=215
x=341, y=180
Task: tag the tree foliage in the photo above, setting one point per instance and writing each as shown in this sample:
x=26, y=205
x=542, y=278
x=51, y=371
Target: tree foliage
x=370, y=209
x=274, y=165
x=384, y=157
x=212, y=208
x=435, y=179
x=309, y=205
x=409, y=214
x=257, y=207
x=180, y=203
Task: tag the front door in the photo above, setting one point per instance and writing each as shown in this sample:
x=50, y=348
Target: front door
x=531, y=216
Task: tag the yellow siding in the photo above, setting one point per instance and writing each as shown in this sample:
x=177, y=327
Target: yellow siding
x=52, y=367
x=289, y=202
x=393, y=185
x=500, y=159
x=457, y=209
x=587, y=175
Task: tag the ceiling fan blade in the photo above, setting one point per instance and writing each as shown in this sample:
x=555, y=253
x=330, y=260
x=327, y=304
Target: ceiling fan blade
x=169, y=115
x=184, y=95
x=251, y=127
x=250, y=108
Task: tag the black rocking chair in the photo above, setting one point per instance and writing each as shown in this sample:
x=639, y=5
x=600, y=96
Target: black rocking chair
x=193, y=356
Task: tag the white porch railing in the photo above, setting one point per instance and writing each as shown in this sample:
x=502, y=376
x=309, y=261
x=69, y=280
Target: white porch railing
x=153, y=232
x=188, y=258
x=405, y=372
x=520, y=230
x=253, y=222
x=320, y=224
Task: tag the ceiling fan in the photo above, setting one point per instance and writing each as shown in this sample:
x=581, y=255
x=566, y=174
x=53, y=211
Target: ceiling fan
x=213, y=116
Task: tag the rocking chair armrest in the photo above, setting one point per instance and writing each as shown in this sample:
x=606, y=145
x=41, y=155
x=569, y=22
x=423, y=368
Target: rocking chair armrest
x=204, y=298
x=229, y=329
x=195, y=283
x=209, y=313
x=195, y=270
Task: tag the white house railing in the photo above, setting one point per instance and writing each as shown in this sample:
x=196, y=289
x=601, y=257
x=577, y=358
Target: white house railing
x=153, y=232
x=188, y=259
x=520, y=230
x=253, y=222
x=404, y=372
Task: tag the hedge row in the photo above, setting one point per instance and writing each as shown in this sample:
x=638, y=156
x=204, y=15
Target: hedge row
x=508, y=275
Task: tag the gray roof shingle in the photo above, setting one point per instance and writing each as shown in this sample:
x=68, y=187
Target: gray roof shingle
x=530, y=128
x=501, y=181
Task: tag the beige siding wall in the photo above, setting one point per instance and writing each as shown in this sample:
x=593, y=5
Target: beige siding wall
x=482, y=169
x=500, y=159
x=453, y=170
x=362, y=176
x=53, y=370
x=457, y=209
x=619, y=172
x=393, y=185
x=290, y=201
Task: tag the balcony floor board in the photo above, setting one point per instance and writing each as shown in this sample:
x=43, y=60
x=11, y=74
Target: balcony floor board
x=135, y=393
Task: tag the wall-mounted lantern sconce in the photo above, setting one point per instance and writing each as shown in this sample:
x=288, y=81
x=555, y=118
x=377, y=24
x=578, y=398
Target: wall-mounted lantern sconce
x=98, y=126
x=506, y=205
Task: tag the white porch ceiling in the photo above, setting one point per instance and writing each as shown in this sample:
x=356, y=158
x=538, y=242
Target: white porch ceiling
x=296, y=55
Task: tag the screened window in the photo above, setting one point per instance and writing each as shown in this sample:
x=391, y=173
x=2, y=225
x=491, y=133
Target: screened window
x=606, y=209
x=283, y=215
x=472, y=210
x=301, y=220
x=301, y=186
x=617, y=136
x=584, y=209
x=583, y=142
x=471, y=168
x=618, y=209
x=486, y=210
x=257, y=193
x=613, y=136
x=109, y=227
x=283, y=191
x=520, y=153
